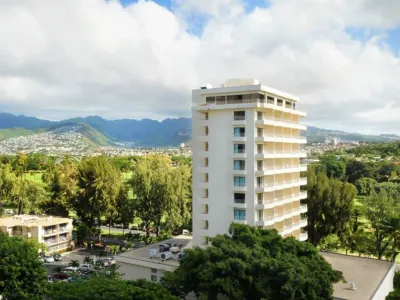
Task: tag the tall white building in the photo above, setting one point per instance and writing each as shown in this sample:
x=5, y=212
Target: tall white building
x=246, y=160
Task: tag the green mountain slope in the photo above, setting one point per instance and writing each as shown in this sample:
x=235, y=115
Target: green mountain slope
x=15, y=132
x=93, y=135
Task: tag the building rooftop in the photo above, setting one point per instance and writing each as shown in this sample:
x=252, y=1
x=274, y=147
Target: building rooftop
x=366, y=273
x=142, y=255
x=32, y=220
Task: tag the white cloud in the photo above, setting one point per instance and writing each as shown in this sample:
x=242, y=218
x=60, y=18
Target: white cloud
x=66, y=58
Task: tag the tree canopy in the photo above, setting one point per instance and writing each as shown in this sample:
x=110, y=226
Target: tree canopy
x=252, y=263
x=107, y=289
x=22, y=275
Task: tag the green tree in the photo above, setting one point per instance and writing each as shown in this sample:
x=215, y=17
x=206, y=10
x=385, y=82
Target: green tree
x=365, y=185
x=380, y=209
x=330, y=203
x=22, y=275
x=124, y=208
x=252, y=263
x=106, y=289
x=99, y=184
x=28, y=195
x=159, y=190
x=61, y=181
x=332, y=166
x=394, y=295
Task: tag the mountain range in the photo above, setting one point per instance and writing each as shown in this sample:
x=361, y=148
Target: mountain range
x=146, y=132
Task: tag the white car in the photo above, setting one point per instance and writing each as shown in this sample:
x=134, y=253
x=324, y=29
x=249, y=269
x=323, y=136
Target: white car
x=185, y=232
x=48, y=258
x=68, y=270
x=85, y=268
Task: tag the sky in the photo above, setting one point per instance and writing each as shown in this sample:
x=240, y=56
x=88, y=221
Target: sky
x=141, y=59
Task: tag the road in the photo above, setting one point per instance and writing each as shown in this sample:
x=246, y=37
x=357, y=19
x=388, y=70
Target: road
x=120, y=230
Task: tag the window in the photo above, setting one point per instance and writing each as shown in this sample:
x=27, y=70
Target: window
x=205, y=146
x=260, y=198
x=260, y=115
x=239, y=115
x=154, y=271
x=260, y=181
x=205, y=177
x=239, y=131
x=239, y=181
x=260, y=132
x=260, y=215
x=221, y=99
x=154, y=278
x=260, y=165
x=206, y=130
x=239, y=148
x=206, y=162
x=239, y=164
x=210, y=100
x=239, y=197
x=205, y=116
x=239, y=214
x=280, y=102
x=270, y=100
x=205, y=224
x=260, y=148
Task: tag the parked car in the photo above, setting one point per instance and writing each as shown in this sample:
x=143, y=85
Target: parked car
x=111, y=261
x=185, y=232
x=85, y=268
x=57, y=257
x=102, y=263
x=135, y=227
x=48, y=258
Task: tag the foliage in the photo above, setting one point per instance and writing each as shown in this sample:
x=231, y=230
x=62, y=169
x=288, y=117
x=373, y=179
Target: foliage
x=22, y=275
x=99, y=184
x=61, y=187
x=160, y=190
x=102, y=288
x=382, y=213
x=330, y=203
x=252, y=263
x=396, y=281
x=124, y=208
x=364, y=185
x=394, y=295
x=332, y=166
x=330, y=243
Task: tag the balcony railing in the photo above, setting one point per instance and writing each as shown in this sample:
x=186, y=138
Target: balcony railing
x=239, y=118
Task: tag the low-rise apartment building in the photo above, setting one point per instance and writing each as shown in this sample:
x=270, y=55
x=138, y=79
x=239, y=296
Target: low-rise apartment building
x=55, y=232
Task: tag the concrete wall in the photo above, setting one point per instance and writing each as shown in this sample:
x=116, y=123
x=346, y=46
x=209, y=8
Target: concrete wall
x=135, y=272
x=386, y=285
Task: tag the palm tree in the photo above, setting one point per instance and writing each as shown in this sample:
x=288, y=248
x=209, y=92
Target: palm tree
x=74, y=263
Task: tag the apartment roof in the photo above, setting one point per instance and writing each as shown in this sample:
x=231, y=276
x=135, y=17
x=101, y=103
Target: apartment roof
x=366, y=273
x=141, y=256
x=32, y=220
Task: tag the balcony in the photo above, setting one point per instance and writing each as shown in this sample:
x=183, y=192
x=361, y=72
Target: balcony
x=239, y=188
x=303, y=222
x=272, y=170
x=280, y=122
x=267, y=221
x=303, y=208
x=64, y=229
x=281, y=138
x=303, y=236
x=281, y=154
x=274, y=186
x=239, y=139
x=241, y=205
x=50, y=232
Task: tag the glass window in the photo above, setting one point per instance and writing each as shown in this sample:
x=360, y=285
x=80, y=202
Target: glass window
x=239, y=148
x=239, y=131
x=239, y=197
x=260, y=164
x=239, y=214
x=210, y=100
x=260, y=148
x=260, y=132
x=154, y=278
x=239, y=181
x=154, y=271
x=260, y=181
x=239, y=164
x=239, y=115
x=260, y=115
x=260, y=215
x=260, y=198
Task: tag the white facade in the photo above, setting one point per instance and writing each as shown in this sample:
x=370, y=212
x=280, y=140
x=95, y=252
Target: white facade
x=246, y=160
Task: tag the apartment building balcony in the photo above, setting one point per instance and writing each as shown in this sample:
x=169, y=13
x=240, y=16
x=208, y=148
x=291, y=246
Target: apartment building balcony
x=281, y=154
x=278, y=201
x=275, y=186
x=279, y=122
x=266, y=221
x=50, y=232
x=303, y=208
x=303, y=236
x=241, y=205
x=239, y=188
x=287, y=229
x=239, y=121
x=284, y=169
x=203, y=216
x=240, y=221
x=281, y=138
x=303, y=222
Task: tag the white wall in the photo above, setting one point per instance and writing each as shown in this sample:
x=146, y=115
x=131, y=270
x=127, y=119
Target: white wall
x=386, y=286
